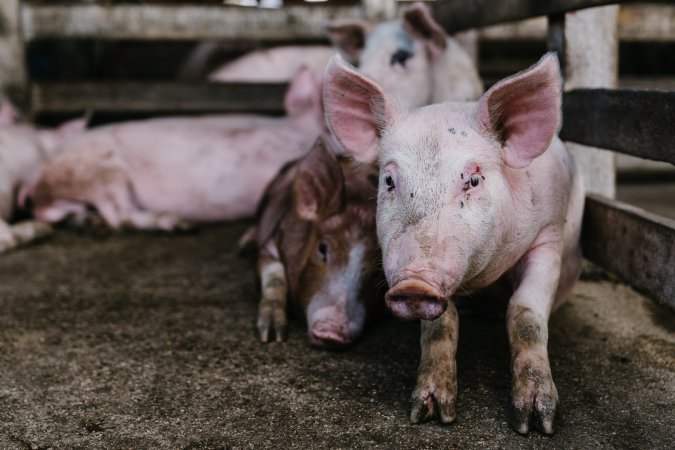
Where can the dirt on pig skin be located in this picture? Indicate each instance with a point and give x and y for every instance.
(137, 340)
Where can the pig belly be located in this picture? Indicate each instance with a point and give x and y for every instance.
(205, 179)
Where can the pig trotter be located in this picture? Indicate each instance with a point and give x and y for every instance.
(534, 396)
(7, 238)
(436, 390)
(272, 309)
(272, 318)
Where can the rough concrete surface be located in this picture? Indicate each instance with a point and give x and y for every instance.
(147, 341)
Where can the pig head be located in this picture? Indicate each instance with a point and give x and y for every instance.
(471, 194)
(316, 235)
(413, 58)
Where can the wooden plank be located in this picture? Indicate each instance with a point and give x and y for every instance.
(637, 23)
(128, 21)
(636, 245)
(458, 15)
(133, 97)
(635, 122)
(13, 77)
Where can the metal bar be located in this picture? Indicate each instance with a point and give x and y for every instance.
(636, 245)
(639, 123)
(13, 76)
(458, 15)
(176, 23)
(133, 97)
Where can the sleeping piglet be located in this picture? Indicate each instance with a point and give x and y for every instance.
(317, 247)
(23, 150)
(478, 199)
(157, 173)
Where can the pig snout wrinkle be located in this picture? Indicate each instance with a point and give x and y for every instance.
(415, 299)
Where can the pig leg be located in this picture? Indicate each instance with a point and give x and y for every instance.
(7, 238)
(533, 394)
(116, 205)
(436, 391)
(272, 308)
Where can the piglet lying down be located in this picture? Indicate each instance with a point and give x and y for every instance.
(317, 248)
(154, 174)
(23, 150)
(478, 199)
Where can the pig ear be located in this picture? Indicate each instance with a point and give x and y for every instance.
(357, 109)
(349, 36)
(318, 188)
(73, 127)
(8, 114)
(523, 112)
(417, 21)
(303, 93)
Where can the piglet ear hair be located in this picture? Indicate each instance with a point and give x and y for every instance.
(8, 114)
(523, 111)
(417, 21)
(357, 110)
(303, 93)
(349, 37)
(318, 188)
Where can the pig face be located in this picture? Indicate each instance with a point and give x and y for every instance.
(328, 246)
(398, 54)
(446, 175)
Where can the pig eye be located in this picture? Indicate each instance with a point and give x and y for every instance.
(389, 181)
(323, 251)
(400, 57)
(475, 179)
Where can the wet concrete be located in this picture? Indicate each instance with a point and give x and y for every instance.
(148, 341)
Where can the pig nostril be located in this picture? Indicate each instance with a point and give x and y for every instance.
(415, 299)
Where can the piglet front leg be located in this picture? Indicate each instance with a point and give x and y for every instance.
(436, 391)
(7, 238)
(272, 308)
(534, 397)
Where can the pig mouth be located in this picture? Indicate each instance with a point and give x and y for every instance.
(415, 299)
(325, 336)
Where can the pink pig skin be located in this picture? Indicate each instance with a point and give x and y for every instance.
(23, 150)
(274, 65)
(155, 173)
(474, 198)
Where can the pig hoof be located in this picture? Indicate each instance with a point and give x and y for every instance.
(434, 400)
(272, 319)
(7, 243)
(534, 404)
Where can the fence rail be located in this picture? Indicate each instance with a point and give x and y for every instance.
(634, 244)
(459, 15)
(634, 122)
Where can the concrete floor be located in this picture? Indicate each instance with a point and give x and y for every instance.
(147, 341)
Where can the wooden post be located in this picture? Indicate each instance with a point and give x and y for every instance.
(13, 77)
(379, 10)
(591, 55)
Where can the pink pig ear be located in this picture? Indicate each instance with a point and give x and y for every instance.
(523, 112)
(417, 21)
(303, 93)
(318, 188)
(357, 109)
(349, 36)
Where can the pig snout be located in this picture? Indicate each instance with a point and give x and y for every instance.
(329, 335)
(335, 326)
(412, 299)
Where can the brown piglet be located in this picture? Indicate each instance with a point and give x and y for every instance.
(317, 247)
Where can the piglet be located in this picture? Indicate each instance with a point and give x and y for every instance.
(159, 173)
(317, 246)
(478, 199)
(23, 150)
